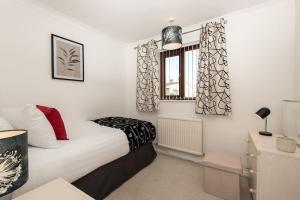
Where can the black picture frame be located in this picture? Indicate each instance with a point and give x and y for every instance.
(54, 57)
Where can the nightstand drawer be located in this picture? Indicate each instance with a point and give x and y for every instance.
(251, 155)
(253, 185)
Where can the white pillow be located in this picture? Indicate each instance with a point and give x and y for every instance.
(30, 118)
(5, 125)
(13, 115)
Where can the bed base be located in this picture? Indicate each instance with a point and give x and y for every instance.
(102, 181)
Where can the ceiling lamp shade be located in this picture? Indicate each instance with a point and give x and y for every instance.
(13, 160)
(171, 37)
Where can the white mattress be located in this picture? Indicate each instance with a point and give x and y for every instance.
(90, 147)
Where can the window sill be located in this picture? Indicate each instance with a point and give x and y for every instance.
(185, 100)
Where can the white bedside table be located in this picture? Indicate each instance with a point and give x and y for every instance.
(273, 174)
(59, 189)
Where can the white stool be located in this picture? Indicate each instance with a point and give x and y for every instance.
(222, 175)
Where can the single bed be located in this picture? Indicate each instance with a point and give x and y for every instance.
(92, 152)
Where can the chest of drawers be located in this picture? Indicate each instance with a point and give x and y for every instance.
(273, 175)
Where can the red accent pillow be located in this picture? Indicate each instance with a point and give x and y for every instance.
(56, 121)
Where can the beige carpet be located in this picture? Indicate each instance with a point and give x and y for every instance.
(167, 178)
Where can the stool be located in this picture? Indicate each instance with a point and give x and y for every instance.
(222, 175)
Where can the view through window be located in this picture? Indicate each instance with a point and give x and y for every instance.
(179, 73)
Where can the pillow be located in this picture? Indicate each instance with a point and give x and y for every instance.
(13, 115)
(40, 131)
(56, 121)
(5, 125)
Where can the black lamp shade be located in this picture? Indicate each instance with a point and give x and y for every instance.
(263, 113)
(171, 37)
(13, 160)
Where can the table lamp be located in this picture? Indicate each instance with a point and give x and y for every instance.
(13, 161)
(263, 114)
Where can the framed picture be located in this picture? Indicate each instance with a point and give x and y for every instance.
(67, 59)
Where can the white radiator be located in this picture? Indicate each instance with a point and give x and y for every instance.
(182, 134)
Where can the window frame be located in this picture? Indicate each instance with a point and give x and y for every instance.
(170, 53)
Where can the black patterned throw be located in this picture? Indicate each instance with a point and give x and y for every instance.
(138, 132)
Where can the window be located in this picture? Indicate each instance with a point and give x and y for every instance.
(179, 73)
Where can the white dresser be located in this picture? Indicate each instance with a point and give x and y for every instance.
(274, 175)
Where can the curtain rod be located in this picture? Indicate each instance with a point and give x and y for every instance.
(187, 32)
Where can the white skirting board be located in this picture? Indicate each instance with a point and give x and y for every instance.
(178, 154)
(186, 156)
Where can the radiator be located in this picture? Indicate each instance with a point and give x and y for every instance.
(181, 134)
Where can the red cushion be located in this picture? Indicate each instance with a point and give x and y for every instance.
(56, 121)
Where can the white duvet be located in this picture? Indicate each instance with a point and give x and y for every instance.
(90, 146)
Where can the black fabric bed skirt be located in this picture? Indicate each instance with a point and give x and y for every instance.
(102, 181)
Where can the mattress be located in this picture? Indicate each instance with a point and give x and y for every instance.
(90, 146)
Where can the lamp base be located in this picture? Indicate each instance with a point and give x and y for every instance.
(265, 133)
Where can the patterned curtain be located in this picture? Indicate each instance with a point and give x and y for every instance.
(147, 87)
(213, 90)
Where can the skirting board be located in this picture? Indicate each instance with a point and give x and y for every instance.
(186, 156)
(178, 154)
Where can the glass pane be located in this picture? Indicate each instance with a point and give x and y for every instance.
(172, 75)
(190, 72)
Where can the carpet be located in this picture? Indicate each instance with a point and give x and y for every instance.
(169, 178)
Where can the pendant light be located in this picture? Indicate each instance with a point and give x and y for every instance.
(171, 37)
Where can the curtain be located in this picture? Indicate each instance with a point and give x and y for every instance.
(147, 87)
(213, 90)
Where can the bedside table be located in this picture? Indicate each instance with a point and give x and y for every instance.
(59, 189)
(273, 174)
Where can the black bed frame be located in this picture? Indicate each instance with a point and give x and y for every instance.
(102, 181)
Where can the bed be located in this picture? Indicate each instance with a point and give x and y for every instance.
(97, 159)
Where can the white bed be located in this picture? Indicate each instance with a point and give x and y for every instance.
(90, 146)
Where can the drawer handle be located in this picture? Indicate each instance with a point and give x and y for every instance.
(251, 171)
(251, 155)
(251, 190)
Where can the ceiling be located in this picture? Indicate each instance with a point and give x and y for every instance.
(132, 20)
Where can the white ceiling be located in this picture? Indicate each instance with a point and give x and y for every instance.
(132, 20)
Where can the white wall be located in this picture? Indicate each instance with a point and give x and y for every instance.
(260, 44)
(297, 73)
(261, 64)
(25, 63)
